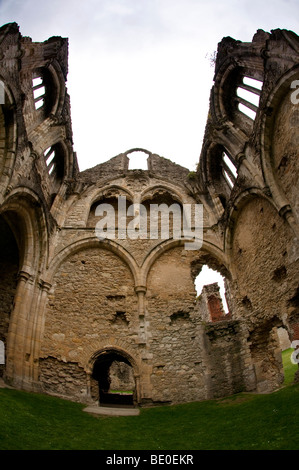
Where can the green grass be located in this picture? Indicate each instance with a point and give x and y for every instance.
(241, 422)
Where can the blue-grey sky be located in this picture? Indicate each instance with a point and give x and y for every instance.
(139, 70)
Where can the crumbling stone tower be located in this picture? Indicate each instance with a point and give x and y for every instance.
(75, 309)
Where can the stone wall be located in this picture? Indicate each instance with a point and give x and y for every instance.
(230, 369)
(122, 378)
(92, 298)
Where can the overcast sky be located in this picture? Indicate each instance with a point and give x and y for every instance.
(139, 70)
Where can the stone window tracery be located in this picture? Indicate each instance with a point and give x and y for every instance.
(229, 169)
(44, 89)
(39, 91)
(54, 159)
(248, 96)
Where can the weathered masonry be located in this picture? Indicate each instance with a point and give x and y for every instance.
(80, 316)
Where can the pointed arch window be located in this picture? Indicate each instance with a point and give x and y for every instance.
(39, 91)
(44, 89)
(248, 96)
(54, 159)
(229, 169)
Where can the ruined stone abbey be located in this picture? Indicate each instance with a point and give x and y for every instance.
(80, 315)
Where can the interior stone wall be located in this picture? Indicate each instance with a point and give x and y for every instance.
(285, 148)
(263, 249)
(92, 301)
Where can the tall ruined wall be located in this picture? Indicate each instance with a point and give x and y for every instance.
(73, 304)
(250, 166)
(259, 235)
(36, 165)
(174, 329)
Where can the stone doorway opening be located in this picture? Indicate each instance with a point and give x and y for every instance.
(112, 380)
(9, 268)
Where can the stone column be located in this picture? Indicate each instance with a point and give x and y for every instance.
(141, 291)
(34, 334)
(17, 329)
(294, 337)
(143, 381)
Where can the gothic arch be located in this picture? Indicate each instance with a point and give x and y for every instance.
(152, 190)
(260, 247)
(212, 171)
(24, 213)
(110, 191)
(281, 92)
(120, 354)
(163, 247)
(9, 272)
(239, 203)
(121, 351)
(59, 83)
(93, 242)
(238, 62)
(108, 196)
(53, 85)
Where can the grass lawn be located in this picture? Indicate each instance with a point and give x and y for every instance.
(243, 421)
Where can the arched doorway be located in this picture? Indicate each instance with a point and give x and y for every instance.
(9, 268)
(113, 380)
